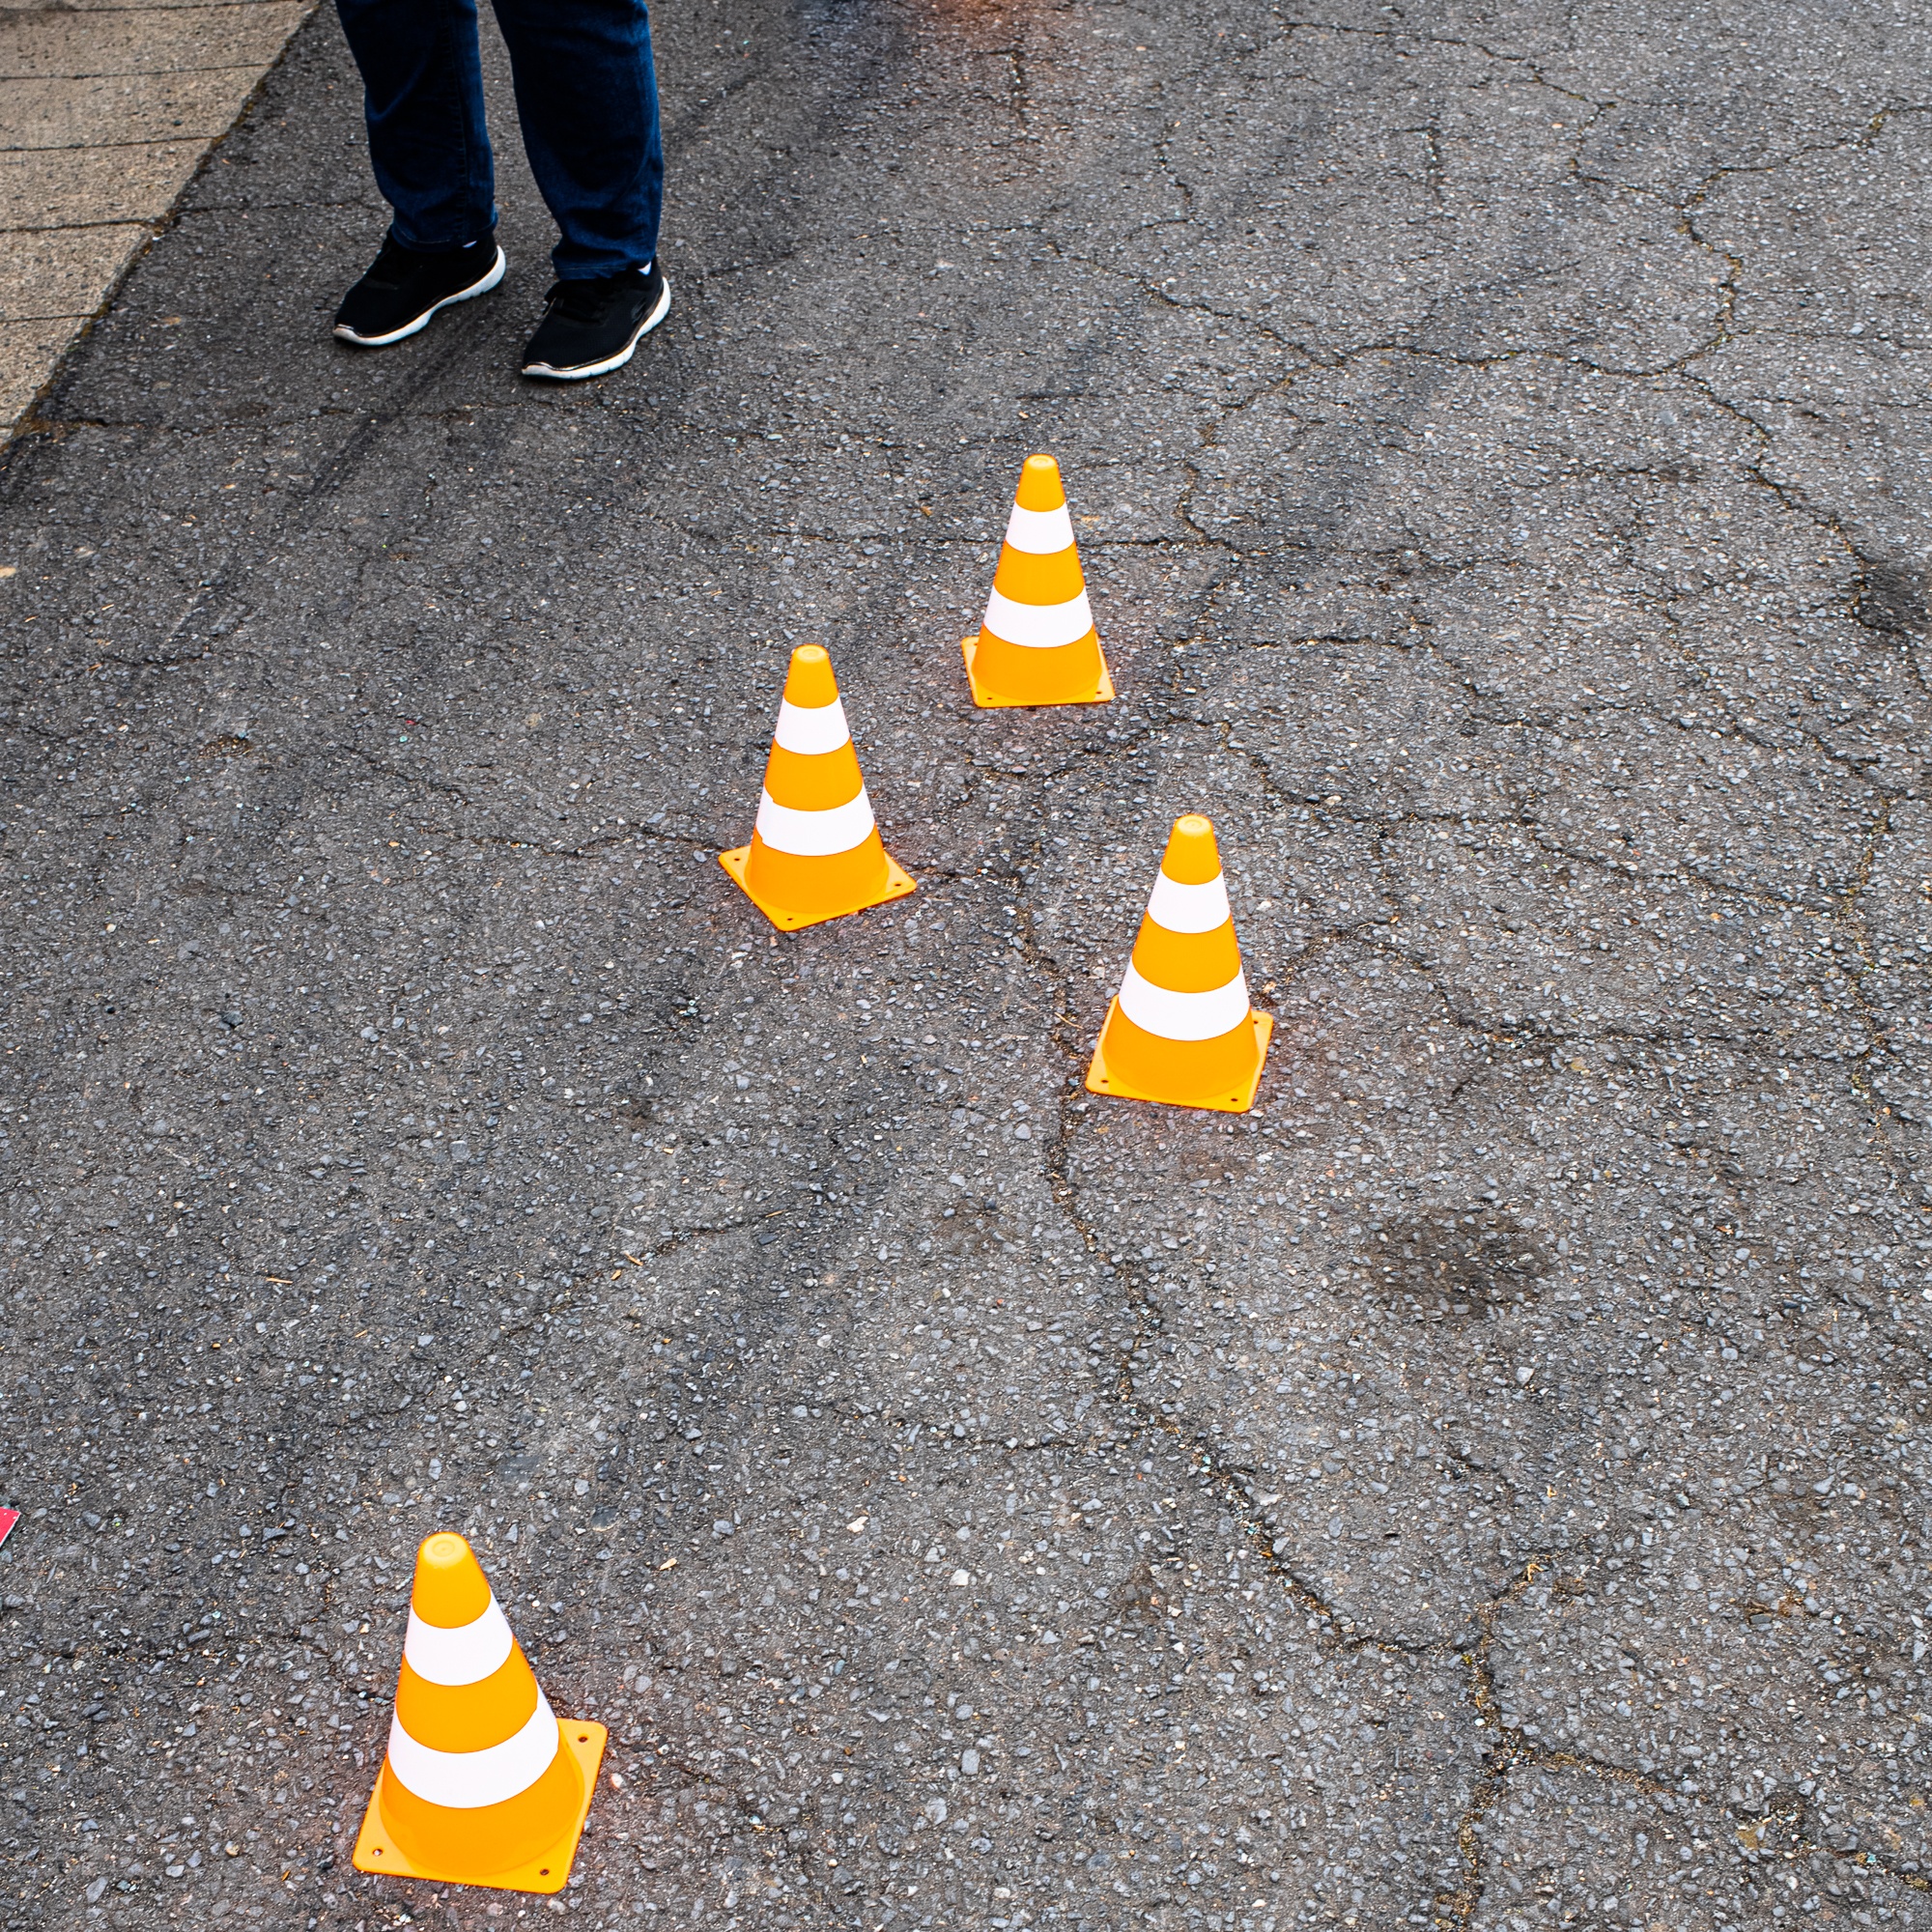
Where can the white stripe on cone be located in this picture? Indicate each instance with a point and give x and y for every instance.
(464, 1656)
(468, 1780)
(812, 729)
(1189, 908)
(1184, 1016)
(1040, 627)
(814, 835)
(1040, 532)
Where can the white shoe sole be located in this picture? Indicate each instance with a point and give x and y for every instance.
(408, 328)
(546, 373)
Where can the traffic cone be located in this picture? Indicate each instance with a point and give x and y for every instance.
(1038, 644)
(1180, 1030)
(482, 1785)
(814, 853)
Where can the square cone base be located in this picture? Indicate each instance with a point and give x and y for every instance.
(1099, 1080)
(898, 883)
(548, 1871)
(968, 650)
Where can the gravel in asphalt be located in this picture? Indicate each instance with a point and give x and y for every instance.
(1482, 1487)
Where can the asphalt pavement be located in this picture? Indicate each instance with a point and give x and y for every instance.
(1485, 1486)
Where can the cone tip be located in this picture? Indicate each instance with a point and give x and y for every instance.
(809, 682)
(1040, 487)
(1192, 857)
(450, 1589)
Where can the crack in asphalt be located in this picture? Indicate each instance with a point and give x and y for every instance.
(1507, 1750)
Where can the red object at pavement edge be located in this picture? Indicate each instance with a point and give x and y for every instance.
(8, 1519)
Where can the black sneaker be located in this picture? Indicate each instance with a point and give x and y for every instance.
(591, 327)
(406, 286)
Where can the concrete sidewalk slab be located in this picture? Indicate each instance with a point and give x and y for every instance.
(28, 350)
(49, 45)
(69, 187)
(112, 110)
(104, 115)
(46, 275)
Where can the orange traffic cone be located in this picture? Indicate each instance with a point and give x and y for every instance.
(814, 853)
(1038, 644)
(1180, 1030)
(481, 1785)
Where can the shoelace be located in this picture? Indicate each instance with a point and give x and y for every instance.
(582, 300)
(389, 268)
(394, 264)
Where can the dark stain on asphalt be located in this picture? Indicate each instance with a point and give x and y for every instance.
(1892, 599)
(1458, 1265)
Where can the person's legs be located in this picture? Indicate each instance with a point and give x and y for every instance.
(422, 82)
(587, 97)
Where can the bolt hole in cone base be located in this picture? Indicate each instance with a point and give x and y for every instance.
(898, 883)
(1235, 1096)
(548, 1870)
(991, 700)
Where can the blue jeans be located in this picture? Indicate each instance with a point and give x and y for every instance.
(586, 95)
